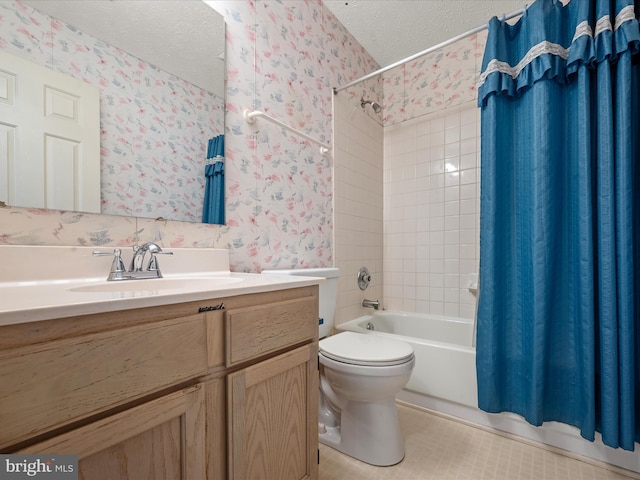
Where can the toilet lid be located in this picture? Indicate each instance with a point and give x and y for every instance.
(364, 349)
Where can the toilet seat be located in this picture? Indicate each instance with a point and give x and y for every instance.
(365, 350)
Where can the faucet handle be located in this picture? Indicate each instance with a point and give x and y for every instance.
(117, 267)
(154, 248)
(153, 261)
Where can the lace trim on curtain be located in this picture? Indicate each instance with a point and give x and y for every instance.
(546, 47)
(602, 25)
(583, 29)
(626, 14)
(534, 52)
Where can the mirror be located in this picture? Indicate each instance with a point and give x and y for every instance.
(159, 66)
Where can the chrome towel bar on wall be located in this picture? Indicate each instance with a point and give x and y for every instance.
(250, 117)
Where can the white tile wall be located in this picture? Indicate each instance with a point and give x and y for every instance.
(431, 212)
(358, 202)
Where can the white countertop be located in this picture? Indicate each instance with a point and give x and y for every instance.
(36, 283)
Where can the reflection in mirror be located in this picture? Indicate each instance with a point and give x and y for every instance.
(159, 68)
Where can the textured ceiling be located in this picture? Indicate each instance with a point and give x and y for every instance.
(392, 30)
(158, 30)
(182, 37)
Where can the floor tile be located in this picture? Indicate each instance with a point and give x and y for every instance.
(442, 449)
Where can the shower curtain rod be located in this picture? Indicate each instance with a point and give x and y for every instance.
(428, 50)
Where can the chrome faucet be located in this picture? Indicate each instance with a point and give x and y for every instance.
(139, 254)
(375, 304)
(135, 272)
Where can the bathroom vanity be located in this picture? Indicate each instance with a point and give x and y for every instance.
(215, 384)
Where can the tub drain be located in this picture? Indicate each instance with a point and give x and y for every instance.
(369, 326)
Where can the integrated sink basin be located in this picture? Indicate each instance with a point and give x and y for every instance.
(156, 284)
(39, 283)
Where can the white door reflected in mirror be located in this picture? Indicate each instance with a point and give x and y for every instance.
(49, 138)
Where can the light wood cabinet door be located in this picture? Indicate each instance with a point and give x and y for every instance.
(273, 418)
(163, 439)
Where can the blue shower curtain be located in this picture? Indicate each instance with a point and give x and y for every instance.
(213, 209)
(558, 325)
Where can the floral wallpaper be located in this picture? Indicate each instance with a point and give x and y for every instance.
(434, 82)
(153, 125)
(282, 57)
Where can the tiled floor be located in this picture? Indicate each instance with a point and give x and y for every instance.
(443, 449)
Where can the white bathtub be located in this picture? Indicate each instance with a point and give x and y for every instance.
(444, 380)
(445, 358)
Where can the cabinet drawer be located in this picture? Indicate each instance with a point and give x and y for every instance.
(50, 385)
(259, 330)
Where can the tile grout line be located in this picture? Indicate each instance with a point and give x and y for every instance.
(526, 441)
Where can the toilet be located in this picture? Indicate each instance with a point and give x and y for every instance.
(359, 377)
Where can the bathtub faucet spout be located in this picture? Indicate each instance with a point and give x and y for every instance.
(375, 304)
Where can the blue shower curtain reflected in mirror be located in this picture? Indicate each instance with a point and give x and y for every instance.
(213, 209)
(558, 320)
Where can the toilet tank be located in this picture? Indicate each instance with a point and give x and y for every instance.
(328, 293)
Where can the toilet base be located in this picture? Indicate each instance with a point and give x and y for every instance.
(368, 431)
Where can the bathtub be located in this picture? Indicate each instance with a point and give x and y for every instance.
(444, 381)
(445, 358)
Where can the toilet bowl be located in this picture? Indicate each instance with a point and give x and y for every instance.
(359, 377)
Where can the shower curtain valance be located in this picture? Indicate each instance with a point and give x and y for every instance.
(553, 46)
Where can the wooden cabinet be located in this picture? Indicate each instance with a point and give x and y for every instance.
(56, 383)
(273, 424)
(272, 405)
(259, 330)
(170, 392)
(163, 439)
